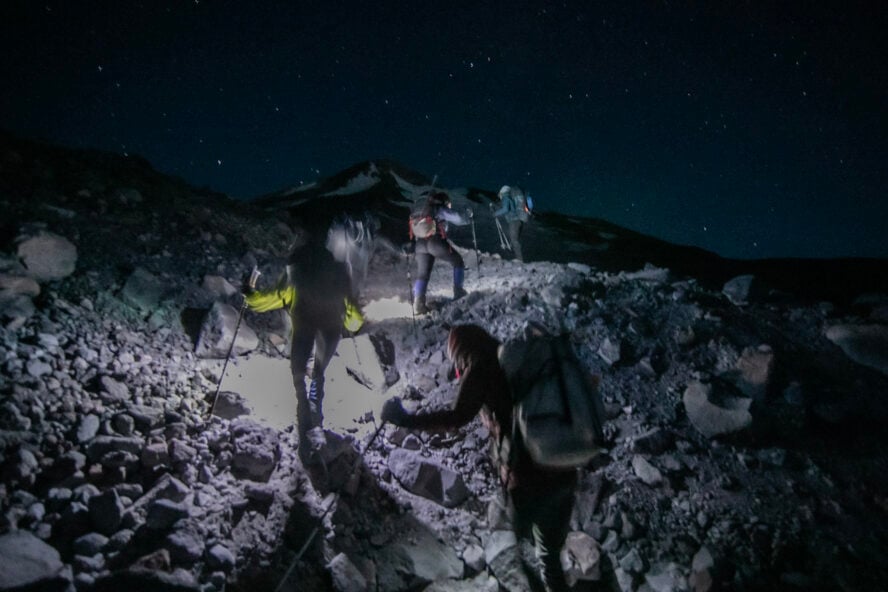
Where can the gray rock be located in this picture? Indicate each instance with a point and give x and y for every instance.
(230, 405)
(632, 562)
(581, 558)
(101, 445)
(220, 557)
(754, 369)
(715, 415)
(422, 558)
(163, 513)
(142, 290)
(146, 417)
(217, 332)
(89, 544)
(38, 368)
(646, 471)
(425, 478)
(865, 344)
(609, 351)
(185, 547)
(742, 289)
(473, 557)
(113, 391)
(256, 451)
(155, 454)
(666, 577)
(106, 511)
(48, 256)
(123, 424)
(16, 310)
(498, 542)
(27, 561)
(88, 428)
(346, 577)
(218, 287)
(12, 286)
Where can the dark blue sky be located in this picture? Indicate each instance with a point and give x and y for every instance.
(749, 129)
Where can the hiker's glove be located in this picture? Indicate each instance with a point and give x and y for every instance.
(408, 248)
(393, 411)
(469, 213)
(490, 206)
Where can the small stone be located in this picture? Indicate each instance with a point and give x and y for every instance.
(88, 428)
(220, 557)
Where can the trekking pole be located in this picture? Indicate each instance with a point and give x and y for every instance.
(332, 503)
(475, 242)
(410, 292)
(504, 240)
(254, 276)
(354, 338)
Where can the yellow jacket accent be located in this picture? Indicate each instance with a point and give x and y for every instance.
(272, 299)
(287, 297)
(354, 320)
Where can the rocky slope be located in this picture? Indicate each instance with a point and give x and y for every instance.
(746, 428)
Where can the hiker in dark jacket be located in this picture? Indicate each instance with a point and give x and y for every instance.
(509, 212)
(540, 501)
(437, 246)
(317, 293)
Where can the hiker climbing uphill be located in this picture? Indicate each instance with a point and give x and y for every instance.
(428, 227)
(515, 208)
(536, 460)
(316, 291)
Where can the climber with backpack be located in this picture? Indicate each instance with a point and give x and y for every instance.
(316, 291)
(428, 228)
(544, 417)
(516, 208)
(354, 240)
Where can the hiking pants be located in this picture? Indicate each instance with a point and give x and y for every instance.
(542, 513)
(319, 334)
(515, 228)
(429, 249)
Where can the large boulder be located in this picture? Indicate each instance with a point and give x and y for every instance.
(48, 257)
(428, 479)
(218, 330)
(256, 450)
(417, 558)
(865, 344)
(143, 290)
(714, 412)
(29, 562)
(743, 289)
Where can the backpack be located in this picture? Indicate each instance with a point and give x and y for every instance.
(350, 240)
(523, 204)
(557, 410)
(422, 224)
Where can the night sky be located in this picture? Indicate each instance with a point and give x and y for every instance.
(751, 129)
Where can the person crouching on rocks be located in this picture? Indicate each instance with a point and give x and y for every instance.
(540, 501)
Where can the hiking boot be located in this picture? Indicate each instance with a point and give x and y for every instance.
(458, 292)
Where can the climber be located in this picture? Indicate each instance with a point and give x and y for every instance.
(428, 227)
(540, 501)
(317, 292)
